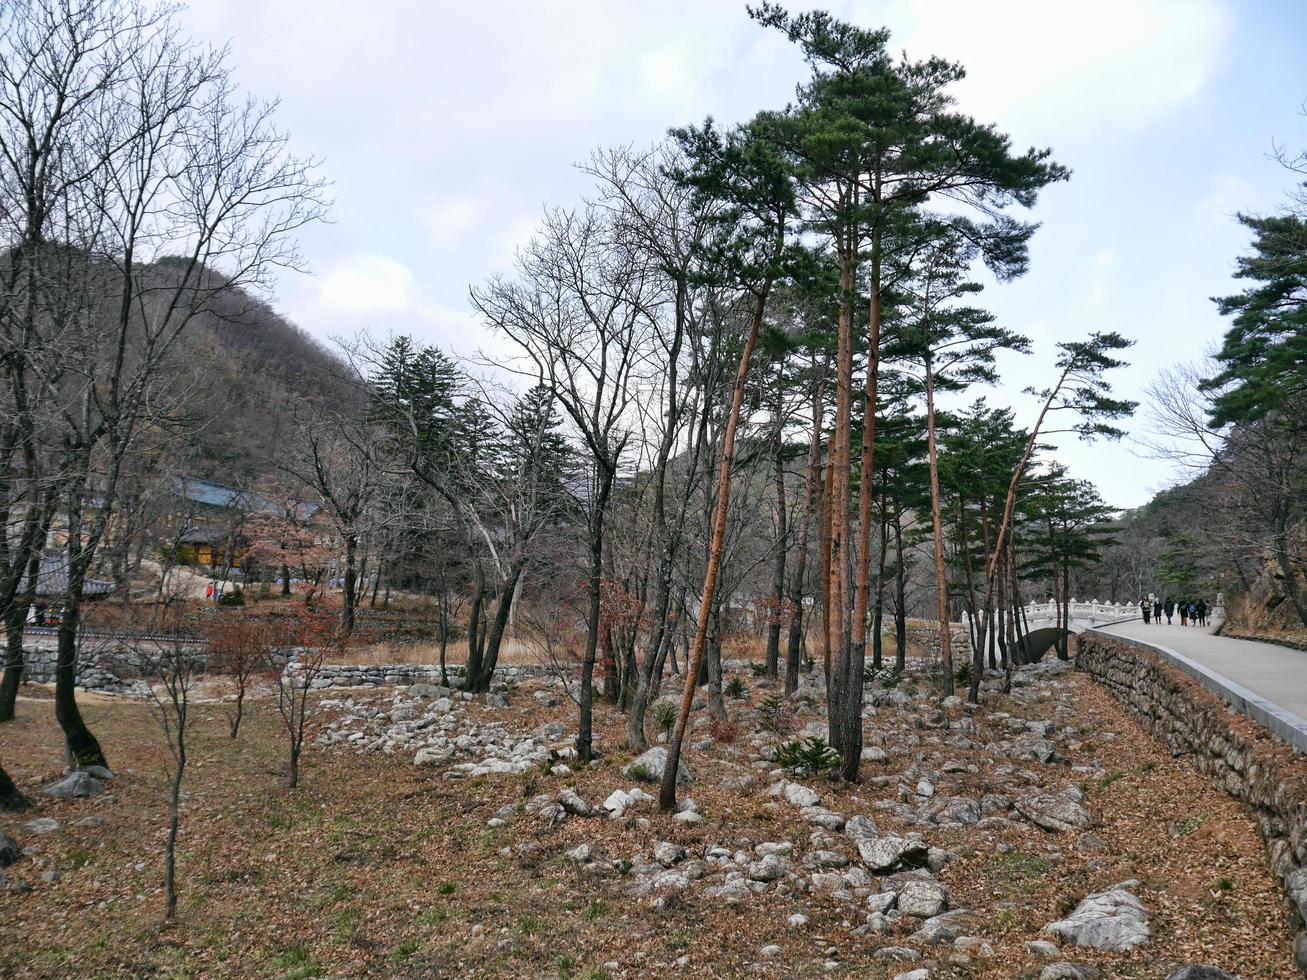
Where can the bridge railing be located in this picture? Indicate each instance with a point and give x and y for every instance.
(1097, 612)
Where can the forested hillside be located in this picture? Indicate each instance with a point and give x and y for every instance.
(253, 372)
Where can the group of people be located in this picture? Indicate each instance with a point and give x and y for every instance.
(1192, 612)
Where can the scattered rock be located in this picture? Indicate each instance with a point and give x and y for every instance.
(581, 854)
(797, 921)
(886, 853)
(896, 953)
(1113, 920)
(919, 974)
(667, 854)
(77, 784)
(42, 825)
(923, 898)
(1197, 971)
(1041, 947)
(946, 927)
(770, 952)
(649, 766)
(801, 795)
(430, 755)
(1068, 971)
(572, 802)
(1053, 812)
(9, 852)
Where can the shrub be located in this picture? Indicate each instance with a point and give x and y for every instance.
(232, 597)
(723, 730)
(664, 714)
(735, 689)
(777, 716)
(811, 756)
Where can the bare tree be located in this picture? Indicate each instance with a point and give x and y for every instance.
(171, 670)
(163, 189)
(579, 313)
(311, 638)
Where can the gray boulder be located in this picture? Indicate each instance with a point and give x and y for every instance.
(923, 898)
(667, 853)
(429, 691)
(572, 802)
(77, 784)
(947, 926)
(1112, 920)
(1068, 971)
(1057, 813)
(886, 853)
(650, 765)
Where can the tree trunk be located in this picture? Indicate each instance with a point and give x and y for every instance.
(11, 798)
(83, 748)
(937, 526)
(900, 596)
(242, 683)
(13, 673)
(772, 662)
(474, 645)
(174, 818)
(351, 582)
(585, 737)
(667, 792)
(480, 683)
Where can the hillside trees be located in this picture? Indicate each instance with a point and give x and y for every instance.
(948, 346)
(503, 471)
(743, 170)
(578, 312)
(877, 139)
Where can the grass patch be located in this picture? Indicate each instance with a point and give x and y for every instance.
(404, 950)
(597, 910)
(296, 964)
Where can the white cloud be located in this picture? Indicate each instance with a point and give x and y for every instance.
(451, 221)
(367, 284)
(1229, 195)
(1046, 68)
(1100, 276)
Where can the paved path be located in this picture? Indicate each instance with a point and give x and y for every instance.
(1277, 674)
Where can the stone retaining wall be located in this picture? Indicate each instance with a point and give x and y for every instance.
(94, 673)
(924, 634)
(385, 675)
(1246, 760)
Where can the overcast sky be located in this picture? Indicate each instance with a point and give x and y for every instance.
(447, 126)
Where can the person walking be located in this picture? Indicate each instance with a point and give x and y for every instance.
(1157, 610)
(1184, 612)
(1168, 607)
(1146, 609)
(1193, 613)
(1202, 612)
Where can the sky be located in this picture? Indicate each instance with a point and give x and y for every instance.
(446, 127)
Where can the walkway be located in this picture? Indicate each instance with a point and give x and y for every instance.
(1271, 673)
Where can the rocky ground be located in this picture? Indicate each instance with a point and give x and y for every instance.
(1039, 835)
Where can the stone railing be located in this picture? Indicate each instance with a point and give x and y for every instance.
(1244, 758)
(1095, 612)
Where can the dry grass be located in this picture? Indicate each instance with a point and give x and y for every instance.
(374, 867)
